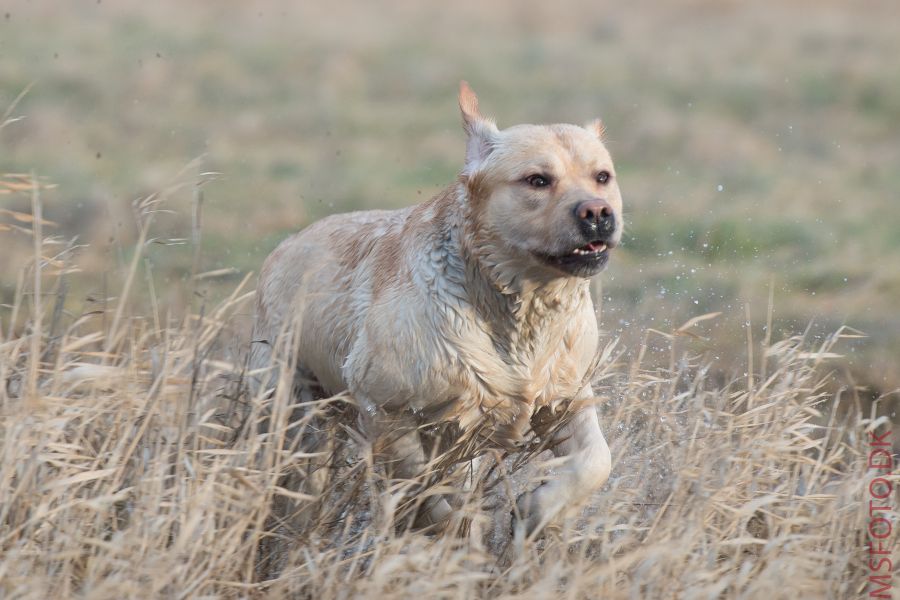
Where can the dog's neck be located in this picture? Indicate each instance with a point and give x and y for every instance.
(520, 299)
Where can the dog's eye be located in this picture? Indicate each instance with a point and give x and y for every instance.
(537, 181)
(603, 177)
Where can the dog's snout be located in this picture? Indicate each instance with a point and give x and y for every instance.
(593, 210)
(595, 216)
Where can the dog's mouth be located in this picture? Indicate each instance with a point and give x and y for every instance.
(590, 248)
(583, 261)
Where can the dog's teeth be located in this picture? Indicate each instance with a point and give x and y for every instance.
(591, 249)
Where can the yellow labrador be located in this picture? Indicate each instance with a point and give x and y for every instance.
(471, 308)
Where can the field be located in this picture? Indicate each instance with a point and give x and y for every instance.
(152, 154)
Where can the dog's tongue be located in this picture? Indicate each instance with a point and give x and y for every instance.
(591, 248)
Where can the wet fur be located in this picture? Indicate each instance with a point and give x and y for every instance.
(442, 312)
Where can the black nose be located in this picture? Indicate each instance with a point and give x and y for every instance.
(595, 217)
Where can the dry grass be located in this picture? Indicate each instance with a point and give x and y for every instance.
(756, 147)
(133, 466)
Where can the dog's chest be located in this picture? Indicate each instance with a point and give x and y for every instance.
(501, 387)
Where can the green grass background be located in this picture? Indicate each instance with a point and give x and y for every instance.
(757, 144)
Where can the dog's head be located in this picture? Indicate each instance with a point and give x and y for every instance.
(546, 194)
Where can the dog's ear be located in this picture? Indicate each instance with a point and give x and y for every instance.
(481, 131)
(596, 126)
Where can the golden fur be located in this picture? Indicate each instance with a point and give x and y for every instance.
(456, 309)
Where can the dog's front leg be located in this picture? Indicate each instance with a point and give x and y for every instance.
(586, 468)
(398, 446)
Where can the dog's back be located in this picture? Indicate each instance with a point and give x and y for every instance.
(314, 288)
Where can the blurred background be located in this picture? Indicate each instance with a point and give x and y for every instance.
(757, 144)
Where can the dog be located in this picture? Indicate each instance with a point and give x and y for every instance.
(472, 308)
